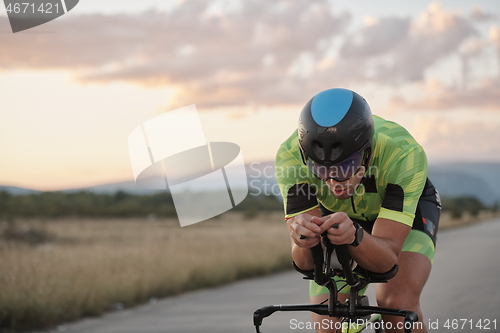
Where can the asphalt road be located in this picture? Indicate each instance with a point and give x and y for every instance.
(463, 290)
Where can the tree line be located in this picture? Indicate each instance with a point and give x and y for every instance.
(457, 206)
(122, 204)
(119, 204)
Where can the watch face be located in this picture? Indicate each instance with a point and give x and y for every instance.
(359, 235)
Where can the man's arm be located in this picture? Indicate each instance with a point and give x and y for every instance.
(379, 251)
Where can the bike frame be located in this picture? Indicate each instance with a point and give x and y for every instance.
(322, 275)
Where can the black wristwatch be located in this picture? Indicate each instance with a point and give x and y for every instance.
(359, 234)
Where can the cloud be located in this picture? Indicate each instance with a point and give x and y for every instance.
(395, 51)
(378, 37)
(494, 35)
(478, 14)
(257, 52)
(229, 58)
(474, 91)
(485, 95)
(445, 139)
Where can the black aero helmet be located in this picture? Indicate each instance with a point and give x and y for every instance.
(335, 133)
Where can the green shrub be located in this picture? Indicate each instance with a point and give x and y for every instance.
(457, 206)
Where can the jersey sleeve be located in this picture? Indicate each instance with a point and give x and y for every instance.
(299, 195)
(405, 177)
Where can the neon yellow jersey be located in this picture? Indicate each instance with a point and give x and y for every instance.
(390, 189)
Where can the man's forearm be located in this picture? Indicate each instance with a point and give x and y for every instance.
(374, 254)
(302, 257)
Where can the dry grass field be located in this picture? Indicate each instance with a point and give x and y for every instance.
(61, 270)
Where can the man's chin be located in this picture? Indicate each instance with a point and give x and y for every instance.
(341, 195)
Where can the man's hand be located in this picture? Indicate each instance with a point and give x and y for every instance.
(343, 233)
(304, 232)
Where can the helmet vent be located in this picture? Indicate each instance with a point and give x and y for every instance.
(336, 151)
(318, 150)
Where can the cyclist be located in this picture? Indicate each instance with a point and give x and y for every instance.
(368, 177)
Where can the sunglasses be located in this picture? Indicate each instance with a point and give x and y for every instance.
(339, 172)
(342, 171)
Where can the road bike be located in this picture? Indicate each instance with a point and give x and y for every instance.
(355, 312)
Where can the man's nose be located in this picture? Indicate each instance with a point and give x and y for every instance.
(332, 182)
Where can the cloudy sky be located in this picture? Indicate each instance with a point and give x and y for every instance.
(73, 89)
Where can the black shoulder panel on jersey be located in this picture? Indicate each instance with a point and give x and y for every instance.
(369, 184)
(394, 197)
(324, 211)
(300, 197)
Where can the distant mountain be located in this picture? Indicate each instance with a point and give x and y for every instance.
(480, 180)
(128, 186)
(17, 190)
(260, 178)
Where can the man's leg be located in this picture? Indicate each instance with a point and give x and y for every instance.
(403, 291)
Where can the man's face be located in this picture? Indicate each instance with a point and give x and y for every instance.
(345, 190)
